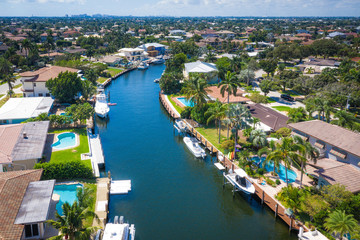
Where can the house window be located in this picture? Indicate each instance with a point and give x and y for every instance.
(48, 94)
(34, 84)
(31, 230)
(40, 94)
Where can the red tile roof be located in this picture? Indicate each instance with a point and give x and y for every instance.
(214, 91)
(12, 190)
(44, 74)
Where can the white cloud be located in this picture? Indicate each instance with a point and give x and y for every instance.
(48, 1)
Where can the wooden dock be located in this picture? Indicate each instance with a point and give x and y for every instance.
(272, 203)
(102, 201)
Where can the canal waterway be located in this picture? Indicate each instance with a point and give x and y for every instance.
(174, 196)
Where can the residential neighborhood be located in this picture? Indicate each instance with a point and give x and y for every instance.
(166, 125)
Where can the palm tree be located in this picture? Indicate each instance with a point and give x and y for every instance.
(286, 152)
(238, 117)
(9, 79)
(71, 223)
(5, 67)
(340, 223)
(210, 57)
(195, 90)
(345, 119)
(217, 111)
(296, 115)
(256, 121)
(258, 138)
(308, 151)
(26, 45)
(88, 89)
(236, 64)
(230, 85)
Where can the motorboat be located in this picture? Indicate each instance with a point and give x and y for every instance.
(180, 125)
(158, 61)
(101, 106)
(194, 147)
(239, 178)
(157, 80)
(118, 230)
(143, 66)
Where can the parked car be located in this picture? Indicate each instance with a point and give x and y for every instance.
(287, 97)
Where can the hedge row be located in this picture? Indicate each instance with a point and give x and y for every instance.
(65, 170)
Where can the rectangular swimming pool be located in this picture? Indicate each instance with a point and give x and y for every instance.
(186, 102)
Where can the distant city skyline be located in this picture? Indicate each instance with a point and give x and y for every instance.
(275, 8)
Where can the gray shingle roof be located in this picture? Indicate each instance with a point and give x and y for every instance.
(35, 204)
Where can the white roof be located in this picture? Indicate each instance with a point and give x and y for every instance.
(200, 67)
(131, 50)
(146, 45)
(24, 108)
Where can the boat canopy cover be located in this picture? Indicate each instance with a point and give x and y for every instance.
(240, 172)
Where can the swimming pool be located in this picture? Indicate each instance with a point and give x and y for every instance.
(65, 140)
(281, 171)
(67, 193)
(186, 102)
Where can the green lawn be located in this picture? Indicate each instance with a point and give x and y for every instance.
(114, 71)
(282, 108)
(212, 135)
(270, 100)
(74, 153)
(93, 187)
(178, 108)
(101, 79)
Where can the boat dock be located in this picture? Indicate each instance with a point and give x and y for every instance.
(102, 201)
(260, 191)
(96, 152)
(120, 186)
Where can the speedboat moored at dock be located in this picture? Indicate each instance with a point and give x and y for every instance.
(194, 147)
(119, 230)
(238, 178)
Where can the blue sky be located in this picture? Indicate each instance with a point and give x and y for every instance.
(181, 7)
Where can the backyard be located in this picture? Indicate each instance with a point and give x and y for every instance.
(73, 153)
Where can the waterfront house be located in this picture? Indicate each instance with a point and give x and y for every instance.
(208, 70)
(270, 120)
(17, 110)
(215, 93)
(26, 204)
(132, 54)
(339, 153)
(22, 145)
(34, 82)
(153, 49)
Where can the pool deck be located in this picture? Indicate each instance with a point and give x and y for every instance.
(102, 201)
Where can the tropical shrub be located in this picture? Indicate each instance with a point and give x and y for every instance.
(198, 113)
(257, 98)
(277, 182)
(65, 170)
(186, 113)
(260, 171)
(228, 145)
(285, 132)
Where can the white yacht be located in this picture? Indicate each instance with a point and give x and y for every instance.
(118, 230)
(238, 177)
(143, 66)
(194, 147)
(101, 106)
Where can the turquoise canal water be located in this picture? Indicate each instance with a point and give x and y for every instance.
(67, 193)
(174, 196)
(65, 140)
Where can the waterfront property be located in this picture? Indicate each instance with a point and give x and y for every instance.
(26, 203)
(214, 93)
(22, 145)
(270, 120)
(132, 54)
(17, 110)
(153, 49)
(339, 153)
(209, 70)
(34, 83)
